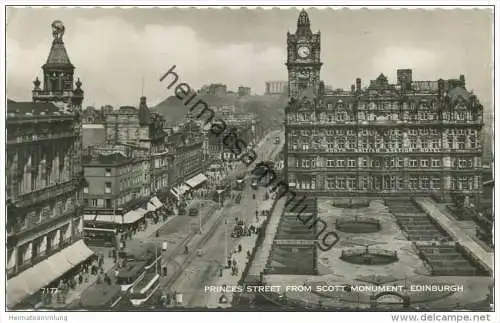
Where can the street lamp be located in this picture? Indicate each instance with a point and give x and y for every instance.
(225, 242)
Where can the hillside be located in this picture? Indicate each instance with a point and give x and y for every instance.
(269, 109)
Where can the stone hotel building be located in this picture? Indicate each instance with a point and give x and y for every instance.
(383, 139)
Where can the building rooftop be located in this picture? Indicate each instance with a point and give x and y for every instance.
(32, 109)
(110, 159)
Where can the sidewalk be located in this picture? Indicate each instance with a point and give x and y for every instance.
(108, 267)
(247, 244)
(74, 294)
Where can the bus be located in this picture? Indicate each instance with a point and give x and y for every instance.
(131, 274)
(99, 236)
(142, 291)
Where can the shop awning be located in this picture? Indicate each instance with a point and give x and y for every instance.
(79, 252)
(134, 216)
(106, 218)
(156, 201)
(33, 279)
(174, 192)
(154, 204)
(197, 180)
(151, 207)
(184, 189)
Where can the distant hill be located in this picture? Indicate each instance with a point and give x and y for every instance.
(269, 109)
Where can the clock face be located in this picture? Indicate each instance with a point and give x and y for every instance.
(303, 51)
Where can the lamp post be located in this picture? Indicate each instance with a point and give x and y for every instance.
(225, 242)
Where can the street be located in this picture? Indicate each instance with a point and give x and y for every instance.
(188, 273)
(203, 270)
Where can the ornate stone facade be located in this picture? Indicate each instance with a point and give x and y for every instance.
(408, 138)
(44, 170)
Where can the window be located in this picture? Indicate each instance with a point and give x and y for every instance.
(352, 144)
(472, 142)
(364, 183)
(340, 163)
(330, 182)
(461, 144)
(424, 163)
(330, 163)
(425, 182)
(85, 202)
(107, 172)
(94, 203)
(109, 204)
(365, 162)
(413, 144)
(412, 163)
(436, 163)
(351, 183)
(107, 187)
(86, 189)
(435, 143)
(341, 183)
(435, 183)
(351, 163)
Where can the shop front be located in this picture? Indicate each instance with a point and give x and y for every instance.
(30, 285)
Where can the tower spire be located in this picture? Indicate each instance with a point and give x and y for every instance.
(142, 86)
(303, 24)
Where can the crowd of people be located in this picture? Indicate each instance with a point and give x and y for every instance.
(58, 293)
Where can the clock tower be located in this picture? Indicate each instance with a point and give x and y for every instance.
(303, 58)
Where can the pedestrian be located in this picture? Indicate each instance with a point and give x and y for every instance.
(80, 278)
(107, 280)
(164, 270)
(229, 263)
(239, 248)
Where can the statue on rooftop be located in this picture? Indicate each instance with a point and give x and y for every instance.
(58, 29)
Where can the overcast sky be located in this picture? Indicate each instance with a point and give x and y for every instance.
(113, 49)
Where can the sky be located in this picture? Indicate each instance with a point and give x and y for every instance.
(120, 54)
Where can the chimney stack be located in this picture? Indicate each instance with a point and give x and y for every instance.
(462, 80)
(358, 84)
(143, 100)
(353, 88)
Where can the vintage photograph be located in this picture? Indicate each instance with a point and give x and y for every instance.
(249, 159)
